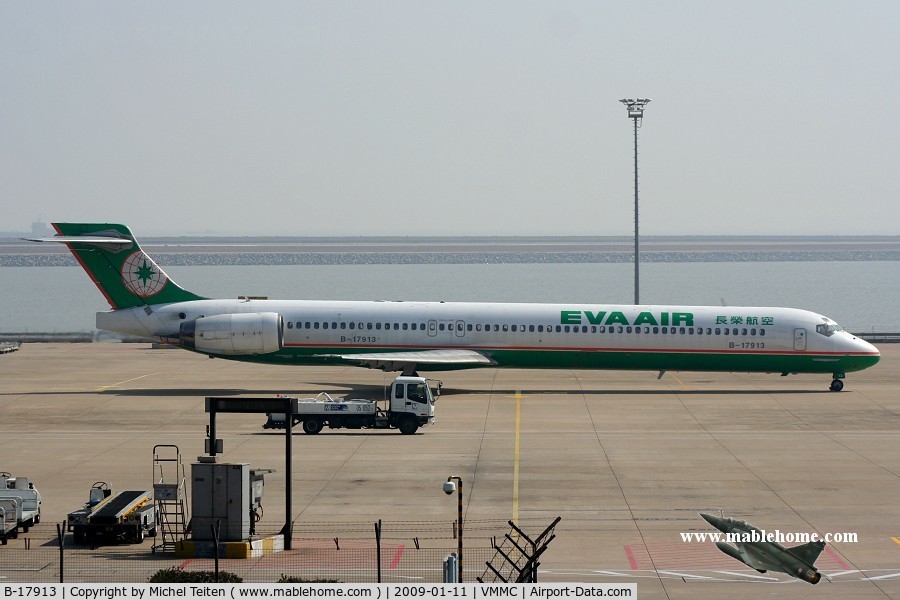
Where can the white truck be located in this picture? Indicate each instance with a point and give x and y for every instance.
(410, 405)
(28, 511)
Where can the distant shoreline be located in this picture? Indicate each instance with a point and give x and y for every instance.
(477, 250)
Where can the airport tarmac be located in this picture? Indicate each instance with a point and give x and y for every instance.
(625, 459)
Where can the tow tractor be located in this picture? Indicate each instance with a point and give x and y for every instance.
(126, 516)
(410, 405)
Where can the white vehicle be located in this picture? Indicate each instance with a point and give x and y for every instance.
(409, 406)
(9, 522)
(443, 336)
(29, 499)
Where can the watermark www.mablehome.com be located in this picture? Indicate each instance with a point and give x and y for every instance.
(777, 536)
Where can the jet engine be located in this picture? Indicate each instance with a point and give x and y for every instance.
(810, 575)
(234, 334)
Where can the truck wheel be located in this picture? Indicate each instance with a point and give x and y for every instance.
(312, 426)
(408, 425)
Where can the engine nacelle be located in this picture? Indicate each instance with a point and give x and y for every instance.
(240, 333)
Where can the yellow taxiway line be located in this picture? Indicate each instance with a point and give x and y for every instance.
(103, 388)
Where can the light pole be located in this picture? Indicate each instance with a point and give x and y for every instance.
(636, 112)
(449, 488)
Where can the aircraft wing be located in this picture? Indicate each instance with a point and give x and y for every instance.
(409, 361)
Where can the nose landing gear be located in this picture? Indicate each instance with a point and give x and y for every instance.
(836, 384)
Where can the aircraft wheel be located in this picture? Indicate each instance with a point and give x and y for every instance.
(408, 425)
(837, 385)
(312, 426)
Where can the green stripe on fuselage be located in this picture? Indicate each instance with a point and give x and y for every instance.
(607, 359)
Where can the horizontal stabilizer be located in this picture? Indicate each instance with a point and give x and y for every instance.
(83, 239)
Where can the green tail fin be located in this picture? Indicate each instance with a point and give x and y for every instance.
(114, 261)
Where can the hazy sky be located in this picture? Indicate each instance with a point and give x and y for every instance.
(457, 118)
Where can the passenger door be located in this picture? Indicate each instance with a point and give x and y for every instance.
(800, 339)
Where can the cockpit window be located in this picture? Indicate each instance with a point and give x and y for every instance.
(828, 328)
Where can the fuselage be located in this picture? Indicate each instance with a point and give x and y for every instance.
(677, 338)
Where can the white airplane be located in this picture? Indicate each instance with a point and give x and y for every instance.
(441, 336)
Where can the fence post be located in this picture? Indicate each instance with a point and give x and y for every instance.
(61, 536)
(378, 547)
(215, 533)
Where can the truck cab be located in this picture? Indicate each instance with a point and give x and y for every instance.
(412, 404)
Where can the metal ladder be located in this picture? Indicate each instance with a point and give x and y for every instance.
(170, 496)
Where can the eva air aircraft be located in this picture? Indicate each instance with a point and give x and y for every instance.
(440, 336)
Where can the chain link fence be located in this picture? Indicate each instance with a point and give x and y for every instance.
(410, 552)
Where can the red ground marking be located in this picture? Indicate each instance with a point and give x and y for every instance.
(837, 558)
(397, 555)
(631, 560)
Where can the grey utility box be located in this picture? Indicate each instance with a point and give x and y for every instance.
(220, 492)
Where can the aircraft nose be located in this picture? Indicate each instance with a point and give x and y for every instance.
(714, 521)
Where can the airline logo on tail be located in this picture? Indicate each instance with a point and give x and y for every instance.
(142, 276)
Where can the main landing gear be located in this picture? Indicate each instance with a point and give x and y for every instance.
(836, 384)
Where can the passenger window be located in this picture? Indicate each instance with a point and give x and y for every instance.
(753, 331)
(441, 327)
(514, 328)
(690, 331)
(308, 325)
(506, 328)
(603, 329)
(378, 326)
(316, 325)
(396, 326)
(478, 327)
(656, 330)
(469, 327)
(744, 331)
(405, 326)
(665, 330)
(368, 326)
(325, 325)
(496, 328)
(718, 331)
(628, 330)
(709, 331)
(290, 324)
(558, 328)
(531, 328)
(593, 329)
(762, 332)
